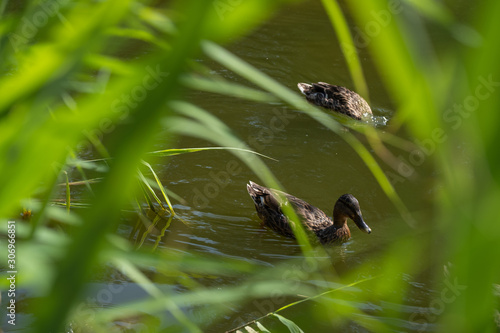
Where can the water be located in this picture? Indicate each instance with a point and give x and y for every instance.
(297, 45)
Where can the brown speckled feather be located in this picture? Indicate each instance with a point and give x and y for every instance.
(336, 98)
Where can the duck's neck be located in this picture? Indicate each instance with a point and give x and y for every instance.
(335, 234)
(338, 232)
(339, 219)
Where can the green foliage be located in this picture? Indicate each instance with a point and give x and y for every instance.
(63, 84)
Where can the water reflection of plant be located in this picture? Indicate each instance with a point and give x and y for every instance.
(48, 110)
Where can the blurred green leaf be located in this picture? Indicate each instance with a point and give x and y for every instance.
(347, 44)
(262, 328)
(288, 323)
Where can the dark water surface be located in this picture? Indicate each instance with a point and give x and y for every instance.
(298, 45)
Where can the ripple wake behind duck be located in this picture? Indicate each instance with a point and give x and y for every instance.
(336, 98)
(268, 204)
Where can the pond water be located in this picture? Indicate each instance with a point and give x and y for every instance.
(313, 163)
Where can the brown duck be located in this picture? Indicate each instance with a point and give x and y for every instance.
(268, 205)
(336, 98)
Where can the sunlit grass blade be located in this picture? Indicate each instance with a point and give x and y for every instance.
(87, 181)
(83, 182)
(148, 230)
(98, 145)
(140, 35)
(179, 151)
(262, 328)
(150, 190)
(227, 88)
(155, 18)
(408, 82)
(288, 323)
(162, 233)
(347, 45)
(146, 193)
(433, 9)
(140, 212)
(117, 66)
(160, 186)
(68, 193)
(351, 55)
(381, 178)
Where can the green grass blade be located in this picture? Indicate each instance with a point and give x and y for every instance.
(381, 178)
(179, 151)
(288, 323)
(347, 45)
(140, 35)
(262, 328)
(82, 172)
(160, 185)
(227, 88)
(150, 190)
(162, 233)
(149, 229)
(68, 193)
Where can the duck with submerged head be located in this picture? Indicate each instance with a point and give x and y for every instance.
(336, 98)
(268, 203)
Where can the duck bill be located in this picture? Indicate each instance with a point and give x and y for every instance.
(361, 224)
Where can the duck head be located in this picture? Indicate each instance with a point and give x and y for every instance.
(347, 206)
(305, 88)
(308, 90)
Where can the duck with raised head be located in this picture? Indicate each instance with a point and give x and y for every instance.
(268, 203)
(336, 98)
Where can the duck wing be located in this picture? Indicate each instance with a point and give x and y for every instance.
(333, 97)
(312, 217)
(336, 98)
(269, 203)
(268, 207)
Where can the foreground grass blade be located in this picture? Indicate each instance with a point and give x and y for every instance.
(68, 193)
(228, 88)
(288, 323)
(150, 190)
(179, 151)
(262, 328)
(347, 45)
(160, 185)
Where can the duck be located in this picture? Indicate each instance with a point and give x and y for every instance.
(336, 98)
(268, 203)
